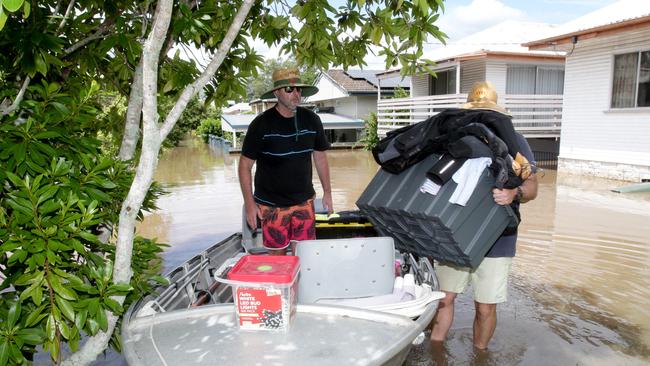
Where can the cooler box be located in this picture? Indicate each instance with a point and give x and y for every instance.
(264, 291)
(429, 225)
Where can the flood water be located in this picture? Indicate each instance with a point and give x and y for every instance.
(579, 286)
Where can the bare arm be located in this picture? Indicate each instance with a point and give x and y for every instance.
(246, 184)
(323, 170)
(528, 190)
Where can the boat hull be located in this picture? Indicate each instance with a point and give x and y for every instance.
(175, 327)
(319, 335)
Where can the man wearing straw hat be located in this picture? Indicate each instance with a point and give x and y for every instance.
(281, 143)
(490, 279)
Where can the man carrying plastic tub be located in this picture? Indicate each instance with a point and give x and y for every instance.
(281, 142)
(490, 279)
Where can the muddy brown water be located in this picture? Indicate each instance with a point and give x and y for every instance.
(580, 285)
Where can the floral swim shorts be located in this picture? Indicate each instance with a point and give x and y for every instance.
(280, 225)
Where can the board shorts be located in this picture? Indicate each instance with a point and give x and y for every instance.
(489, 280)
(281, 225)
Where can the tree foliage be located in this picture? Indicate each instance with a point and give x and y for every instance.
(210, 127)
(59, 192)
(193, 116)
(62, 64)
(400, 93)
(370, 138)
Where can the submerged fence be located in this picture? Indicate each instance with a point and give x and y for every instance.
(546, 159)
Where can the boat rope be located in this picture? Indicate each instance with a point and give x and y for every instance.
(153, 342)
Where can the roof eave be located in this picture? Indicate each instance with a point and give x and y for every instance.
(603, 30)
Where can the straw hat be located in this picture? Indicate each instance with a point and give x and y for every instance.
(289, 77)
(483, 96)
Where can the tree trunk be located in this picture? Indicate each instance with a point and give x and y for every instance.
(152, 138)
(132, 121)
(141, 182)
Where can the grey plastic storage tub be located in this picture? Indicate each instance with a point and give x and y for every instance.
(429, 225)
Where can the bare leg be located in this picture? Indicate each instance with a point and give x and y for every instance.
(277, 251)
(443, 318)
(439, 353)
(485, 322)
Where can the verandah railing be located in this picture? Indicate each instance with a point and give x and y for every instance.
(534, 116)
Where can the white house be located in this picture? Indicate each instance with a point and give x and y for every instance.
(494, 54)
(606, 118)
(353, 93)
(529, 83)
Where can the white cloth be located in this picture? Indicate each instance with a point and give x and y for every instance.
(429, 187)
(404, 289)
(466, 178)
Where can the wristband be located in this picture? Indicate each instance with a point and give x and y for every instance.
(520, 194)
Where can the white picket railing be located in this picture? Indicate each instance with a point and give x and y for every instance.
(532, 115)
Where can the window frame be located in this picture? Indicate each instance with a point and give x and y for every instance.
(451, 71)
(537, 69)
(636, 81)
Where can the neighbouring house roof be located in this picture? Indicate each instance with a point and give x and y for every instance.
(237, 108)
(240, 122)
(365, 81)
(616, 17)
(504, 39)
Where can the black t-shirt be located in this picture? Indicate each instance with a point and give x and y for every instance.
(506, 245)
(282, 148)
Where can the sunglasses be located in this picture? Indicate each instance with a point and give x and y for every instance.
(290, 89)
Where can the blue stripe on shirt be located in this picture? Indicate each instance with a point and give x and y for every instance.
(265, 201)
(303, 132)
(288, 153)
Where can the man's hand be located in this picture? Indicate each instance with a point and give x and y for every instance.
(323, 170)
(504, 196)
(528, 192)
(253, 212)
(246, 184)
(327, 202)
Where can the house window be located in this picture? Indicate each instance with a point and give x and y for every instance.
(631, 86)
(443, 83)
(531, 79)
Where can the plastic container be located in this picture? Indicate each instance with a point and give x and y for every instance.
(429, 225)
(264, 290)
(343, 224)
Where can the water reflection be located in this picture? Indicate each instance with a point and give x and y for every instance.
(580, 279)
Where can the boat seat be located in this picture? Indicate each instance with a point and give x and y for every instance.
(345, 268)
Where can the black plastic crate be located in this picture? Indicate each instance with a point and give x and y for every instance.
(343, 225)
(429, 225)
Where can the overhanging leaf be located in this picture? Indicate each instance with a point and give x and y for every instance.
(101, 318)
(4, 351)
(50, 327)
(32, 336)
(65, 306)
(14, 314)
(27, 9)
(35, 316)
(3, 18)
(12, 5)
(64, 329)
(62, 291)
